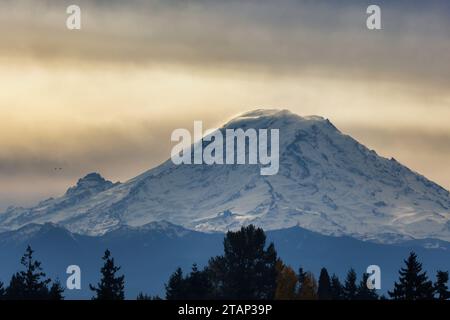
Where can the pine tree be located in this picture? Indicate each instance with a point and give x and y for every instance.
(111, 286)
(363, 292)
(413, 283)
(198, 285)
(246, 270)
(324, 291)
(31, 283)
(300, 278)
(440, 286)
(56, 291)
(337, 292)
(16, 288)
(350, 288)
(286, 282)
(176, 287)
(309, 287)
(301, 274)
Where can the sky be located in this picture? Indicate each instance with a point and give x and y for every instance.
(106, 98)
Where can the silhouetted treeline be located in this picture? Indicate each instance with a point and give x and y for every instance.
(32, 283)
(248, 269)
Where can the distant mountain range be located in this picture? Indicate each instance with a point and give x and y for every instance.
(150, 253)
(327, 183)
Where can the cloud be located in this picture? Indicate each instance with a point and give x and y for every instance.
(107, 97)
(76, 148)
(289, 36)
(46, 163)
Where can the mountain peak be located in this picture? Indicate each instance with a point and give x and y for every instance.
(277, 113)
(277, 119)
(328, 183)
(265, 113)
(91, 183)
(262, 114)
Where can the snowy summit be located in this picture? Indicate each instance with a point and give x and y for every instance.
(327, 182)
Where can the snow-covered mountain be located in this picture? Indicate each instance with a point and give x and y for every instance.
(327, 182)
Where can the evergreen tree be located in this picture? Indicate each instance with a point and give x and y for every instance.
(300, 278)
(286, 282)
(350, 288)
(111, 286)
(324, 291)
(198, 285)
(56, 291)
(217, 271)
(309, 287)
(440, 286)
(16, 288)
(246, 270)
(413, 283)
(337, 291)
(363, 292)
(31, 283)
(176, 287)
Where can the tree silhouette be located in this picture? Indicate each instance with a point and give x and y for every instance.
(111, 286)
(440, 286)
(31, 283)
(56, 291)
(350, 288)
(363, 292)
(300, 278)
(413, 283)
(246, 270)
(175, 288)
(198, 284)
(337, 291)
(16, 288)
(324, 291)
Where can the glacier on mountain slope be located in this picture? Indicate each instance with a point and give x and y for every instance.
(327, 182)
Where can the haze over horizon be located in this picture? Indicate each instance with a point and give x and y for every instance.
(106, 98)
